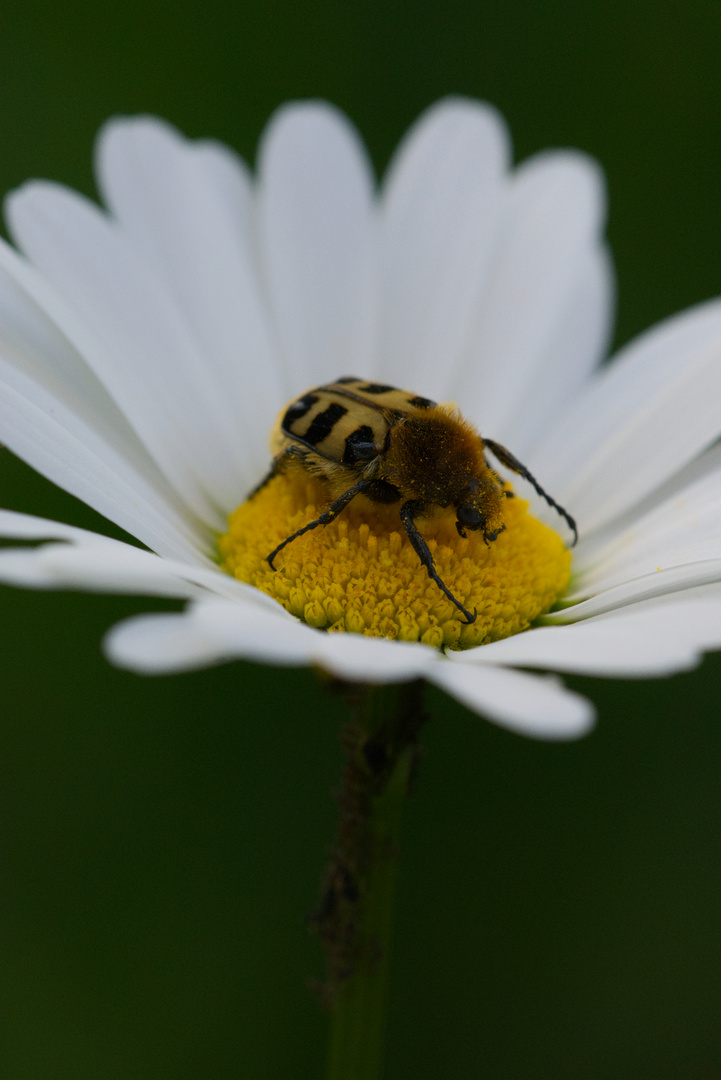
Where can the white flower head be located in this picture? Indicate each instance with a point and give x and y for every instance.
(146, 348)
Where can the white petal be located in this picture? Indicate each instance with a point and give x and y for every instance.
(206, 633)
(82, 560)
(643, 418)
(579, 341)
(676, 531)
(188, 206)
(163, 645)
(592, 649)
(214, 631)
(317, 244)
(39, 429)
(14, 526)
(42, 373)
(699, 479)
(33, 339)
(544, 263)
(63, 566)
(143, 350)
(442, 203)
(660, 583)
(89, 561)
(528, 704)
(642, 641)
(374, 660)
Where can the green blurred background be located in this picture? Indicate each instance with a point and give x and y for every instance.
(161, 841)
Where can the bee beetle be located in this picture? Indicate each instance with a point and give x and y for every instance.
(394, 446)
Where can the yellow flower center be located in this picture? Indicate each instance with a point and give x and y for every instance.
(360, 573)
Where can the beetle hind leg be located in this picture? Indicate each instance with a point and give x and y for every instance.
(408, 515)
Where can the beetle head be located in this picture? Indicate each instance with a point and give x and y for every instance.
(479, 506)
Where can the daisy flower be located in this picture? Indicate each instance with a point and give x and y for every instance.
(147, 347)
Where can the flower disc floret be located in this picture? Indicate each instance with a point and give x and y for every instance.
(361, 574)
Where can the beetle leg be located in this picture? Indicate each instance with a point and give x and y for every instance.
(325, 518)
(408, 514)
(506, 458)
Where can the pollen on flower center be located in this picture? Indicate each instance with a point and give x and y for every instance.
(360, 573)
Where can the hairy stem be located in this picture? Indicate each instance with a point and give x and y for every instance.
(355, 912)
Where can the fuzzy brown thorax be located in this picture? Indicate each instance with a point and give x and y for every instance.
(433, 458)
(437, 459)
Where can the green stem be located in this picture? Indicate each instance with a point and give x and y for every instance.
(355, 915)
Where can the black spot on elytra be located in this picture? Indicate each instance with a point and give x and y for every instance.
(323, 423)
(421, 402)
(298, 410)
(359, 446)
(376, 388)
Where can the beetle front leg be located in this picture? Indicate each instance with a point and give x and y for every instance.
(325, 518)
(409, 511)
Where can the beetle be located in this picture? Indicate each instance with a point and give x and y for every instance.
(394, 446)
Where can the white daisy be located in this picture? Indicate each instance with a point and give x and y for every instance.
(146, 349)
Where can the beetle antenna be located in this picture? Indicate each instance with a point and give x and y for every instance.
(506, 458)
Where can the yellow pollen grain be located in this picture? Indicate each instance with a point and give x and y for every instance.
(360, 574)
